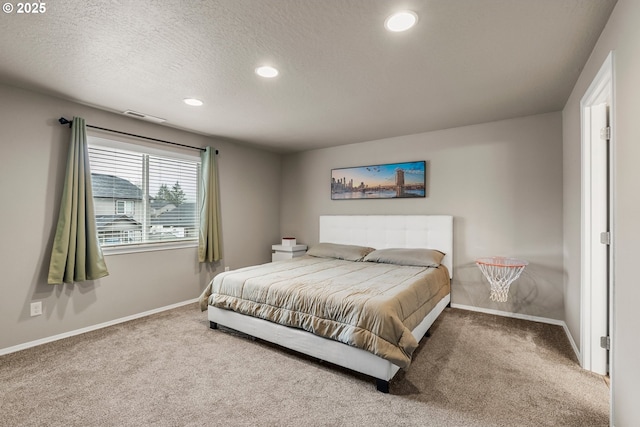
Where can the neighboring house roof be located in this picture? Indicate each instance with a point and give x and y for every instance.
(183, 215)
(111, 222)
(113, 187)
(159, 206)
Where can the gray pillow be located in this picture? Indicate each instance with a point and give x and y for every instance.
(338, 251)
(409, 256)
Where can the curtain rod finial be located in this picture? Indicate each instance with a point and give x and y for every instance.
(64, 121)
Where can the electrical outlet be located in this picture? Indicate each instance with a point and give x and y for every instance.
(36, 308)
(226, 268)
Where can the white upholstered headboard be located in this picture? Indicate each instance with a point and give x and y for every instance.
(391, 231)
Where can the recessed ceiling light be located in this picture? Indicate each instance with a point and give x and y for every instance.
(193, 102)
(401, 21)
(266, 71)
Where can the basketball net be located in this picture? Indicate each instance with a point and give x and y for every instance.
(500, 272)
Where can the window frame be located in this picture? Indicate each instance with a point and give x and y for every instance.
(110, 142)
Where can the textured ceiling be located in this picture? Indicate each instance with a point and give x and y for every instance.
(343, 78)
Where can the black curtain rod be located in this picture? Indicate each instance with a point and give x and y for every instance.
(64, 121)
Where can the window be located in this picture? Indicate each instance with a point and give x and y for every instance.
(124, 207)
(143, 196)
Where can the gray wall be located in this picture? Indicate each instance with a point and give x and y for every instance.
(501, 181)
(33, 151)
(622, 35)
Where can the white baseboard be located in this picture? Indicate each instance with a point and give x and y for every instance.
(525, 317)
(572, 342)
(46, 340)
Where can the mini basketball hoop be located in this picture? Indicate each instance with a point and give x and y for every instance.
(501, 272)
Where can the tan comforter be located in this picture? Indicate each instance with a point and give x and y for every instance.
(368, 305)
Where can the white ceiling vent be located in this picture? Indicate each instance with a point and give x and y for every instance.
(143, 116)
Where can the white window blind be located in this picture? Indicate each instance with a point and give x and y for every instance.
(143, 196)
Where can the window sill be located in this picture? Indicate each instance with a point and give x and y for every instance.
(149, 247)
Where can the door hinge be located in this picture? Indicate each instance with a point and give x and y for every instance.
(605, 342)
(605, 133)
(605, 238)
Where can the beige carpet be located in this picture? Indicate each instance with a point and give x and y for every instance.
(170, 369)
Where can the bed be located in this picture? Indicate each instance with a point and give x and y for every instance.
(279, 302)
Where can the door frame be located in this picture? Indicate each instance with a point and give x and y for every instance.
(600, 91)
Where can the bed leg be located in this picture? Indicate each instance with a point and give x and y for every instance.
(428, 333)
(213, 325)
(382, 385)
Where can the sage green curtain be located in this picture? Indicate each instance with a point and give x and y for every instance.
(76, 255)
(209, 249)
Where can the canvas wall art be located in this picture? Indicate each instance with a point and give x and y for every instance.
(388, 181)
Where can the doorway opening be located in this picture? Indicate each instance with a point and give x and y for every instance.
(597, 221)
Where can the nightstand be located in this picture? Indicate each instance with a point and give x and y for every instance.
(280, 252)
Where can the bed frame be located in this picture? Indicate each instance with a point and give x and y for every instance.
(377, 231)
